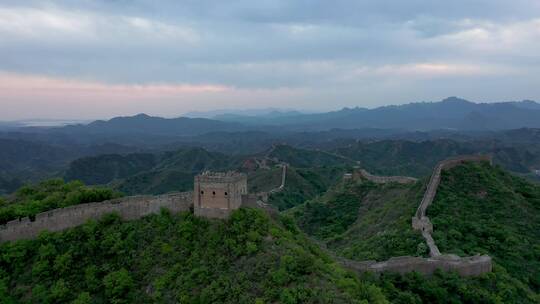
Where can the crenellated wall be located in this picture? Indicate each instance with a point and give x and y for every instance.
(129, 208)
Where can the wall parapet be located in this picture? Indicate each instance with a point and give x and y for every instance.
(129, 208)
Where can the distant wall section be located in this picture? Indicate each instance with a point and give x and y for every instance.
(383, 179)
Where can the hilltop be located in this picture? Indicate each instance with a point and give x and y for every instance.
(479, 209)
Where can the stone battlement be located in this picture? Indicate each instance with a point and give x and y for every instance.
(220, 177)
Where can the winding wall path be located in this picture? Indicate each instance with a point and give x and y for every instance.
(465, 266)
(420, 221)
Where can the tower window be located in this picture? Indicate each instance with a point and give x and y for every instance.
(214, 192)
(225, 193)
(202, 192)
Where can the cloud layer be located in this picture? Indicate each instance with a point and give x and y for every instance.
(170, 57)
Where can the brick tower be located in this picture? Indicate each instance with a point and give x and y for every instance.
(217, 194)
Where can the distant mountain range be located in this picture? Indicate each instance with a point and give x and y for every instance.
(449, 114)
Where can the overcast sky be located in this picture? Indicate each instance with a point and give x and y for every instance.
(86, 59)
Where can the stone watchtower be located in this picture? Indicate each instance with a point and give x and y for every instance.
(217, 194)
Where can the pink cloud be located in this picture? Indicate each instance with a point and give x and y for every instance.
(32, 96)
(19, 85)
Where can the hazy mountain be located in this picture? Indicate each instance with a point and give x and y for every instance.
(450, 113)
(238, 112)
(148, 125)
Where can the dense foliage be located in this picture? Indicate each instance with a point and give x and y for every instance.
(405, 157)
(479, 209)
(332, 214)
(33, 199)
(103, 169)
(301, 184)
(306, 184)
(177, 259)
(365, 221)
(155, 182)
(449, 288)
(308, 158)
(143, 173)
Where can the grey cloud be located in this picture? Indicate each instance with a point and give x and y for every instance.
(272, 44)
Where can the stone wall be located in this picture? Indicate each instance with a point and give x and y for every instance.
(435, 180)
(129, 208)
(420, 221)
(468, 266)
(283, 178)
(383, 179)
(257, 201)
(465, 266)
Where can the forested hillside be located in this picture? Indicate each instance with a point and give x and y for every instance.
(33, 199)
(166, 258)
(480, 209)
(362, 220)
(144, 173)
(405, 157)
(301, 184)
(254, 258)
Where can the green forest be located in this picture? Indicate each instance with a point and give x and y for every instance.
(255, 258)
(33, 199)
(177, 259)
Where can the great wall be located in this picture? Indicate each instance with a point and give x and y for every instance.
(130, 208)
(465, 266)
(384, 179)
